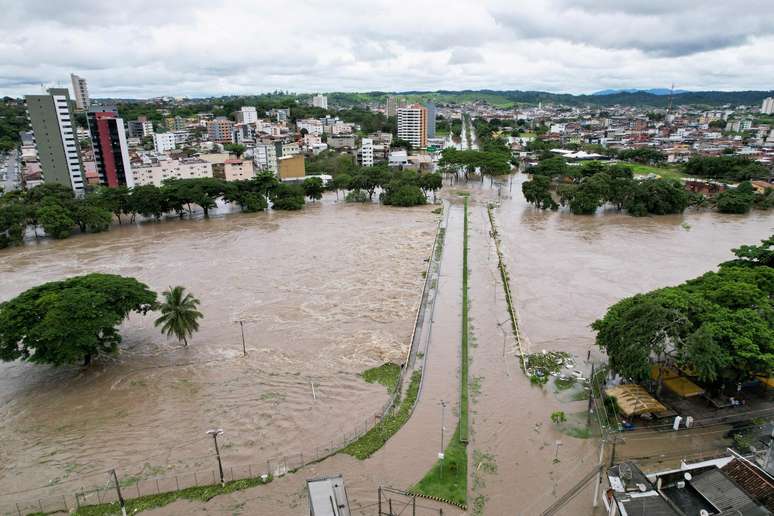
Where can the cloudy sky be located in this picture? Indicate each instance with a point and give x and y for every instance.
(143, 48)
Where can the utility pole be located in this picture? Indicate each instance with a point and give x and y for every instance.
(215, 434)
(242, 327)
(591, 396)
(118, 490)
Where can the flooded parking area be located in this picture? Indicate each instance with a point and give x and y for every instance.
(323, 294)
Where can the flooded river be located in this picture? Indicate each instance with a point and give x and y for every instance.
(568, 269)
(324, 294)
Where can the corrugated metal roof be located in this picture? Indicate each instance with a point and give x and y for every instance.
(721, 492)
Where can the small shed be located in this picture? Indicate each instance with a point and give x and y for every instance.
(327, 497)
(634, 400)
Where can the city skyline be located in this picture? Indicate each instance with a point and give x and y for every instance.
(139, 50)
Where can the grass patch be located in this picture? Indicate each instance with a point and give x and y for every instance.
(144, 503)
(463, 424)
(453, 485)
(578, 432)
(375, 438)
(387, 374)
(563, 383)
(581, 395)
(664, 172)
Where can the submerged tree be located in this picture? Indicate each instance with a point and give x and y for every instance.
(179, 316)
(68, 321)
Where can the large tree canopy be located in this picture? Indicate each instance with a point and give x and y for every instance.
(72, 320)
(720, 325)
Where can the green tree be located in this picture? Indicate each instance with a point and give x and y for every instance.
(56, 220)
(340, 182)
(68, 321)
(753, 255)
(235, 148)
(179, 314)
(431, 183)
(115, 200)
(537, 191)
(287, 197)
(551, 167)
(148, 201)
(718, 325)
(313, 188)
(737, 200)
(13, 222)
(92, 218)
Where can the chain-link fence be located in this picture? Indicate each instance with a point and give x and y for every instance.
(69, 495)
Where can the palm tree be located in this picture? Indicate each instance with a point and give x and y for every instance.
(179, 316)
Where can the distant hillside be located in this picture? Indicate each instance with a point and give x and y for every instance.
(652, 91)
(512, 98)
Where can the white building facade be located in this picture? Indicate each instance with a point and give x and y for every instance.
(164, 169)
(367, 152)
(320, 101)
(163, 142)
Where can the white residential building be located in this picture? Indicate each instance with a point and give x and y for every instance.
(320, 101)
(412, 125)
(398, 158)
(181, 137)
(163, 142)
(140, 128)
(311, 140)
(312, 125)
(767, 107)
(367, 152)
(247, 115)
(80, 91)
(161, 170)
(265, 157)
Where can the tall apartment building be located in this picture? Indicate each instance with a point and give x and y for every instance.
(431, 114)
(767, 107)
(163, 142)
(247, 115)
(220, 130)
(52, 123)
(175, 123)
(392, 106)
(140, 128)
(158, 171)
(109, 145)
(366, 154)
(265, 157)
(81, 91)
(412, 125)
(320, 101)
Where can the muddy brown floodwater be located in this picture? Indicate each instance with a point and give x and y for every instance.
(565, 271)
(569, 269)
(324, 294)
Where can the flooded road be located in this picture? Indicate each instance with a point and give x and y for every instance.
(324, 294)
(565, 271)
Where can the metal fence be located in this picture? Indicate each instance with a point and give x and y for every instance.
(69, 495)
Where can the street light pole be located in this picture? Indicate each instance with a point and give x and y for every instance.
(118, 490)
(443, 416)
(215, 434)
(242, 327)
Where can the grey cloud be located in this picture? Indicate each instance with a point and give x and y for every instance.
(656, 27)
(464, 56)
